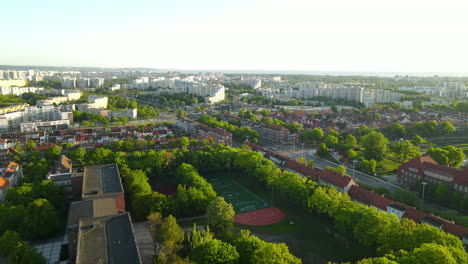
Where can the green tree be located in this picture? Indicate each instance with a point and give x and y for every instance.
(447, 128)
(405, 150)
(181, 113)
(331, 141)
(395, 130)
(301, 160)
(220, 215)
(448, 156)
(375, 145)
(30, 145)
(215, 252)
(198, 237)
(41, 219)
(417, 140)
(77, 154)
(53, 153)
(350, 142)
(272, 253)
(430, 253)
(322, 151)
(184, 142)
(171, 237)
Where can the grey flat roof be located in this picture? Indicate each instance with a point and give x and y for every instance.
(101, 179)
(108, 239)
(90, 208)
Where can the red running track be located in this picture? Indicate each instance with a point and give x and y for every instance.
(260, 217)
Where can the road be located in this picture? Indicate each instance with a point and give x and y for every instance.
(321, 163)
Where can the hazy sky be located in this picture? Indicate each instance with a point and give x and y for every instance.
(335, 35)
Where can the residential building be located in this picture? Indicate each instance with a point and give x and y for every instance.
(130, 113)
(194, 128)
(426, 169)
(107, 239)
(64, 175)
(5, 90)
(103, 181)
(274, 134)
(12, 82)
(10, 178)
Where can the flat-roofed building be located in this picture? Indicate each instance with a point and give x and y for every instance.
(64, 175)
(82, 210)
(103, 181)
(107, 239)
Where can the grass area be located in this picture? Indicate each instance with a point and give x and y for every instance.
(387, 166)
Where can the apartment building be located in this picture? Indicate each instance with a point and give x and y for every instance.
(426, 169)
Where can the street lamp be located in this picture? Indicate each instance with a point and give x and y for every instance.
(422, 198)
(302, 149)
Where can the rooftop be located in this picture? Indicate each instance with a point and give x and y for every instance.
(90, 208)
(101, 179)
(108, 239)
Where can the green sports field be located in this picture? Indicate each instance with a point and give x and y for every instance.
(243, 200)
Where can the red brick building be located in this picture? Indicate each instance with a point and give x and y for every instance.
(426, 169)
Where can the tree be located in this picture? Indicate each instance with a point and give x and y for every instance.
(41, 219)
(155, 220)
(53, 153)
(375, 145)
(311, 163)
(406, 197)
(171, 237)
(430, 253)
(199, 237)
(272, 253)
(181, 113)
(350, 142)
(447, 128)
(184, 142)
(322, 151)
(331, 141)
(395, 130)
(220, 215)
(334, 109)
(448, 156)
(417, 140)
(77, 154)
(18, 251)
(301, 160)
(30, 145)
(405, 150)
(215, 252)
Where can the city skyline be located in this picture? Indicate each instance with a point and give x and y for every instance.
(357, 36)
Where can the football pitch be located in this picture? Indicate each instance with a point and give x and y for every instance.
(242, 199)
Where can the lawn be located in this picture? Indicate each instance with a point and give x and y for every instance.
(387, 166)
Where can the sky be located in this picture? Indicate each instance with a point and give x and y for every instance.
(288, 35)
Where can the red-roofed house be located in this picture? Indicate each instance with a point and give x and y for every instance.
(10, 178)
(426, 169)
